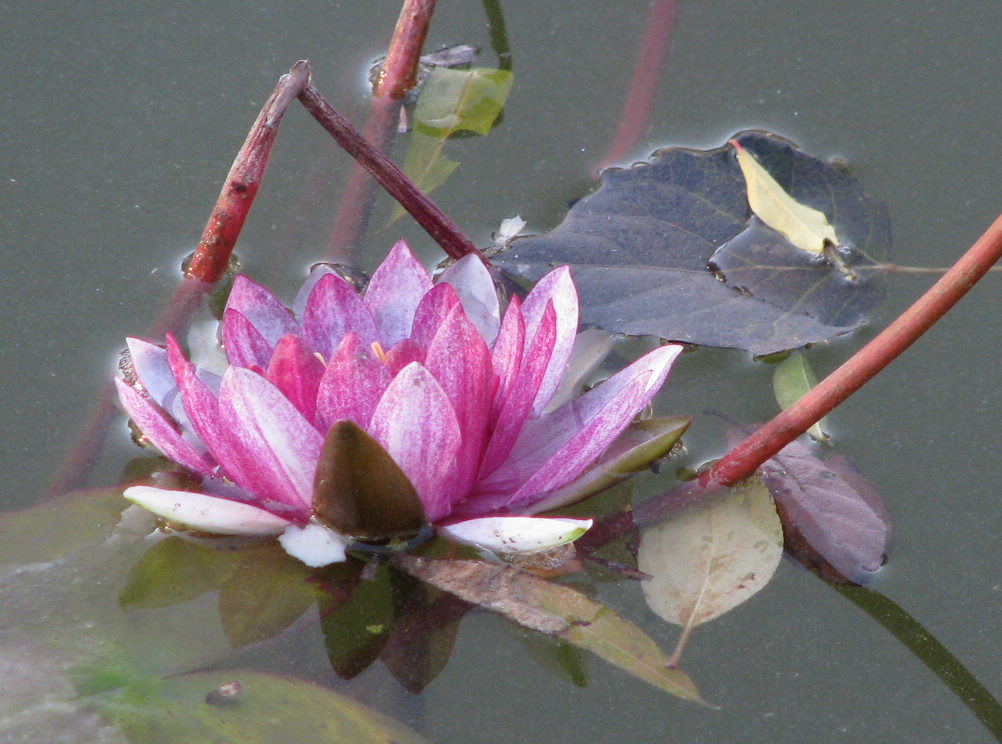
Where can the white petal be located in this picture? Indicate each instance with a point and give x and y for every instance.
(206, 353)
(314, 544)
(206, 513)
(475, 287)
(519, 535)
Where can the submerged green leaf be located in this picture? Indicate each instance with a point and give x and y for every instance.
(451, 101)
(244, 707)
(264, 596)
(55, 527)
(176, 570)
(791, 380)
(556, 610)
(711, 556)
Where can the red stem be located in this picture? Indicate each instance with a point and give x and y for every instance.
(208, 264)
(443, 230)
(399, 71)
(771, 437)
(396, 77)
(643, 83)
(206, 267)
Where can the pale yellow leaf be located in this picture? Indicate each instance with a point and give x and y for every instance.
(805, 227)
(711, 556)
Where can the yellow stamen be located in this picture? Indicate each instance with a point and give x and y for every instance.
(378, 351)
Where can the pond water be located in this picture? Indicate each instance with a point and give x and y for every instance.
(121, 123)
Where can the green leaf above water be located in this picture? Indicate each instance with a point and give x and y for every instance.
(791, 380)
(451, 101)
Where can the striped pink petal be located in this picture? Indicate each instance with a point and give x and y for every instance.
(522, 391)
(296, 371)
(162, 433)
(472, 280)
(556, 287)
(459, 360)
(267, 430)
(415, 424)
(352, 385)
(244, 344)
(259, 306)
(332, 310)
(394, 291)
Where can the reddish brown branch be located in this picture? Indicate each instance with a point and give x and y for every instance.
(205, 268)
(399, 71)
(212, 255)
(745, 458)
(397, 76)
(771, 437)
(443, 230)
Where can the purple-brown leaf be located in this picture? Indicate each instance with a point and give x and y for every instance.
(831, 514)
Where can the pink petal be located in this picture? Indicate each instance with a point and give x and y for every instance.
(202, 408)
(472, 280)
(403, 352)
(272, 437)
(333, 309)
(517, 404)
(556, 448)
(207, 513)
(296, 371)
(431, 313)
(351, 386)
(162, 433)
(269, 316)
(506, 355)
(415, 423)
(459, 360)
(558, 287)
(243, 343)
(394, 292)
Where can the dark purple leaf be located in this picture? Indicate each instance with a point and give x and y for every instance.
(642, 245)
(831, 514)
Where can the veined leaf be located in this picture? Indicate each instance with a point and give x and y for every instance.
(556, 610)
(792, 378)
(711, 556)
(451, 101)
(670, 248)
(807, 228)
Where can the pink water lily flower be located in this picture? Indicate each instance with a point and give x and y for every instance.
(453, 391)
